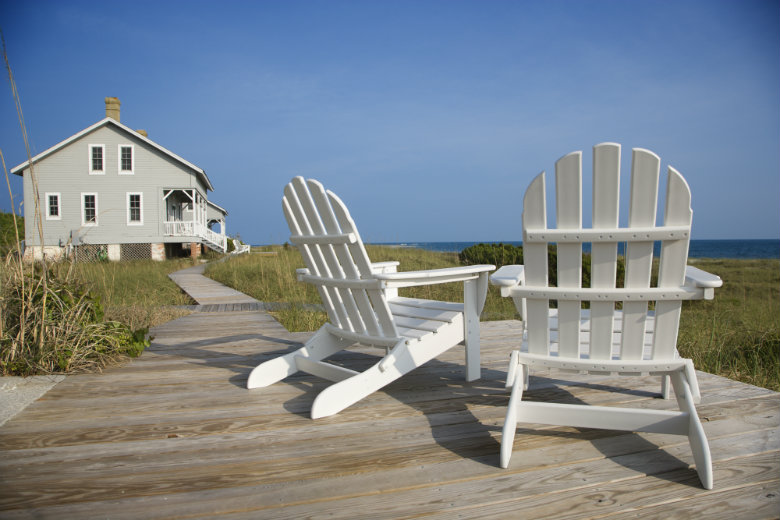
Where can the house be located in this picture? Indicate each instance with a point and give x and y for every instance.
(111, 192)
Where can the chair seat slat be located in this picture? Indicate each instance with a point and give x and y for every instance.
(427, 304)
(586, 317)
(413, 333)
(417, 323)
(422, 312)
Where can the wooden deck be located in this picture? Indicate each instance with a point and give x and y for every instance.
(174, 434)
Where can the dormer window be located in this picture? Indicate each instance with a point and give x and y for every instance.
(125, 159)
(97, 155)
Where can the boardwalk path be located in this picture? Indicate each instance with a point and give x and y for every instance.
(206, 291)
(175, 434)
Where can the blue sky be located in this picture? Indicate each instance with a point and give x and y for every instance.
(428, 118)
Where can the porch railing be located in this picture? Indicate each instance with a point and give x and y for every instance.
(188, 228)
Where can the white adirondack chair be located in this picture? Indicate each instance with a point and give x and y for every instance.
(239, 248)
(363, 306)
(603, 339)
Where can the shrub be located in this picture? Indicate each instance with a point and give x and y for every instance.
(496, 254)
(506, 254)
(50, 323)
(7, 232)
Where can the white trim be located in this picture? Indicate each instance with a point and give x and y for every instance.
(83, 210)
(127, 201)
(89, 156)
(131, 171)
(48, 207)
(19, 169)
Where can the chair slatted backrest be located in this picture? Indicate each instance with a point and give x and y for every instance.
(604, 236)
(338, 264)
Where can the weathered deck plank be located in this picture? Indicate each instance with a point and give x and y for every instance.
(175, 434)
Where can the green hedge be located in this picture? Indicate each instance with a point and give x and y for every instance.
(506, 254)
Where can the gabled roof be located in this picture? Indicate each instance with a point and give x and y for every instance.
(110, 121)
(218, 207)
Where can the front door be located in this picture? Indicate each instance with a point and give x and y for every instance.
(174, 211)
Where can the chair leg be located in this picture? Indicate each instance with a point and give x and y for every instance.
(693, 381)
(665, 386)
(402, 359)
(339, 396)
(510, 422)
(471, 297)
(320, 346)
(696, 437)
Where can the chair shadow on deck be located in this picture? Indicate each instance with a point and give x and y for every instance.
(454, 427)
(240, 364)
(626, 448)
(439, 392)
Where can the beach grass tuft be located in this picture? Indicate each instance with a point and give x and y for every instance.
(137, 293)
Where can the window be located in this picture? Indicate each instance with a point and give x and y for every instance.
(125, 159)
(89, 209)
(135, 209)
(97, 156)
(53, 210)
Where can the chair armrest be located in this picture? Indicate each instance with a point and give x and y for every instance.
(384, 267)
(300, 273)
(433, 276)
(507, 277)
(697, 278)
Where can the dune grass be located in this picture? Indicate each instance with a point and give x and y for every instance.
(69, 318)
(736, 335)
(137, 293)
(271, 278)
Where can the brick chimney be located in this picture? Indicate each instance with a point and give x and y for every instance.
(112, 108)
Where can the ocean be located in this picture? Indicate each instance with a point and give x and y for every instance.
(698, 248)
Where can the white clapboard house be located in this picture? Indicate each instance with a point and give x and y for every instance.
(111, 192)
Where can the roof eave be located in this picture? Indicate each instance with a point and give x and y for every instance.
(219, 208)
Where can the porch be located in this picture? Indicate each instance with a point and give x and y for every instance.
(189, 214)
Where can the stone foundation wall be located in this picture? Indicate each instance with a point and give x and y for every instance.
(114, 252)
(158, 252)
(34, 253)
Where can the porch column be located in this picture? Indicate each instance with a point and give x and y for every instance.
(204, 212)
(195, 211)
